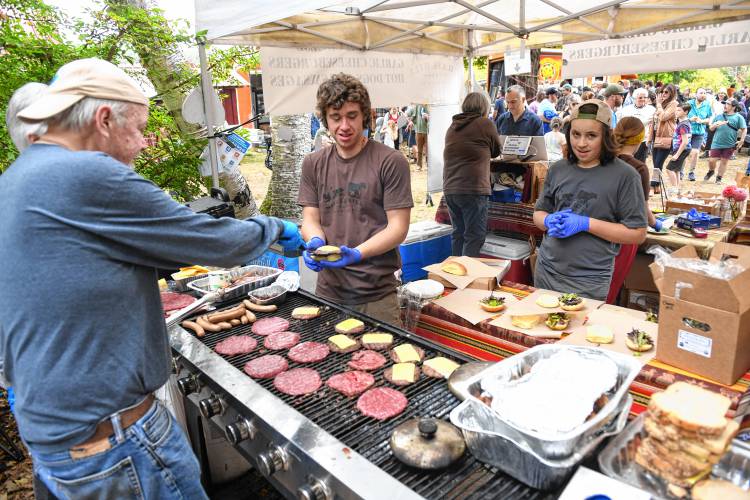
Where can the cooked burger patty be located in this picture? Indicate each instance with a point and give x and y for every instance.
(267, 326)
(267, 366)
(281, 340)
(381, 403)
(367, 360)
(308, 352)
(351, 383)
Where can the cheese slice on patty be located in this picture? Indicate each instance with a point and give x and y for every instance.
(377, 338)
(404, 372)
(407, 353)
(350, 324)
(443, 366)
(342, 341)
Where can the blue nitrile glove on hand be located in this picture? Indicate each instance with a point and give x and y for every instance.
(553, 222)
(312, 245)
(658, 225)
(290, 239)
(569, 225)
(349, 256)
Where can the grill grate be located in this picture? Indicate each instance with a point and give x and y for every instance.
(338, 415)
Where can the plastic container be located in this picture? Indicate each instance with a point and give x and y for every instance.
(516, 251)
(426, 243)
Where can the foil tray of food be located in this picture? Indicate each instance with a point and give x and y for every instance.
(272, 294)
(501, 446)
(241, 280)
(618, 460)
(555, 397)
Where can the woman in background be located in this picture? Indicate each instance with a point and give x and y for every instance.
(554, 141)
(664, 125)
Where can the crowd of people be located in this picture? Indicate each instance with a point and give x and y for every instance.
(717, 122)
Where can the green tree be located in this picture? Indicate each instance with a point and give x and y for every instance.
(669, 76)
(713, 79)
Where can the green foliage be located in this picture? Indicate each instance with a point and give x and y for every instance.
(480, 63)
(669, 76)
(240, 57)
(712, 79)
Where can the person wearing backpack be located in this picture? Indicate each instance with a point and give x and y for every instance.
(729, 129)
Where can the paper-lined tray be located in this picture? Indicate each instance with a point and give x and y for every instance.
(621, 321)
(474, 270)
(528, 305)
(577, 319)
(465, 303)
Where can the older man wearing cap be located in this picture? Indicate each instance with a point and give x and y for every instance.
(642, 110)
(86, 349)
(562, 101)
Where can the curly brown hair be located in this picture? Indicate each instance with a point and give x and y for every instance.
(339, 89)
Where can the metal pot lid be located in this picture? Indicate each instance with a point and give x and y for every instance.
(459, 377)
(427, 443)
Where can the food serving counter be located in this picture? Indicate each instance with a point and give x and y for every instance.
(488, 342)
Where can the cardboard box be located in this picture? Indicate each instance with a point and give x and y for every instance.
(704, 202)
(704, 322)
(639, 277)
(480, 283)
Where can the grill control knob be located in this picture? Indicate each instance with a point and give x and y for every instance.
(211, 406)
(271, 461)
(315, 489)
(189, 384)
(176, 365)
(240, 430)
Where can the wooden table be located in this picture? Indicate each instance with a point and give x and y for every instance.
(678, 238)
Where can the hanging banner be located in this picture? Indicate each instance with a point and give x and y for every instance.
(517, 63)
(550, 68)
(291, 77)
(708, 46)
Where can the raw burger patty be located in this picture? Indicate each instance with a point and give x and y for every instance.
(351, 383)
(381, 403)
(236, 344)
(171, 301)
(309, 352)
(267, 326)
(297, 381)
(266, 366)
(367, 360)
(281, 340)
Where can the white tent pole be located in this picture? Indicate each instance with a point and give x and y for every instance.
(486, 14)
(576, 15)
(403, 5)
(470, 56)
(207, 90)
(566, 11)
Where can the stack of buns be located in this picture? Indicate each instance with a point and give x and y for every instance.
(686, 433)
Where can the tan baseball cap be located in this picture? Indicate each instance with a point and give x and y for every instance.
(593, 109)
(84, 78)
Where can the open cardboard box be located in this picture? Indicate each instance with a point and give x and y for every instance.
(481, 273)
(704, 322)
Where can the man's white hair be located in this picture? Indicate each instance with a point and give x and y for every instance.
(18, 129)
(81, 113)
(518, 89)
(640, 92)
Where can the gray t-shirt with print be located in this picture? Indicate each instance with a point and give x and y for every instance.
(610, 193)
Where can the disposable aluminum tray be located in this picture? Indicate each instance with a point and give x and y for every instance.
(504, 448)
(559, 445)
(181, 285)
(272, 294)
(264, 277)
(617, 460)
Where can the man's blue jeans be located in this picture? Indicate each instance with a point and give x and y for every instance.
(469, 220)
(150, 459)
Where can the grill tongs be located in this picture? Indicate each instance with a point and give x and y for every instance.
(185, 311)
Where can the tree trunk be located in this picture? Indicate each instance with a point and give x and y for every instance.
(291, 143)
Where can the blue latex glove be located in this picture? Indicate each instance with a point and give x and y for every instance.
(553, 222)
(312, 245)
(290, 239)
(571, 224)
(658, 225)
(349, 256)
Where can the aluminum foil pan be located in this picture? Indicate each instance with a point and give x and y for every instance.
(558, 445)
(263, 276)
(272, 294)
(617, 460)
(505, 449)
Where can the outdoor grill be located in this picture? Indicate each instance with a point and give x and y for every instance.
(320, 445)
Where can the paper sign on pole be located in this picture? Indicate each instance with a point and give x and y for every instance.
(291, 76)
(708, 46)
(230, 150)
(517, 62)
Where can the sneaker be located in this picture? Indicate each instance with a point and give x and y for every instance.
(709, 174)
(681, 175)
(734, 157)
(718, 179)
(691, 176)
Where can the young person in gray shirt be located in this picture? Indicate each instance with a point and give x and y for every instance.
(591, 203)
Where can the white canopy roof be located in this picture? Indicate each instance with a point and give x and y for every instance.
(449, 26)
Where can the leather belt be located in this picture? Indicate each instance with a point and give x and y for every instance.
(99, 442)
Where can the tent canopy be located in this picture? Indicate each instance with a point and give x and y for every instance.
(455, 27)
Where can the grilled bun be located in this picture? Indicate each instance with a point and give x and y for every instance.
(454, 267)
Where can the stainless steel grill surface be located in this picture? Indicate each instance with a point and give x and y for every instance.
(338, 416)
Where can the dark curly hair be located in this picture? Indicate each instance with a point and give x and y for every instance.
(340, 89)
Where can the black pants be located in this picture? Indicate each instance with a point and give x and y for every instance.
(659, 156)
(641, 153)
(469, 219)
